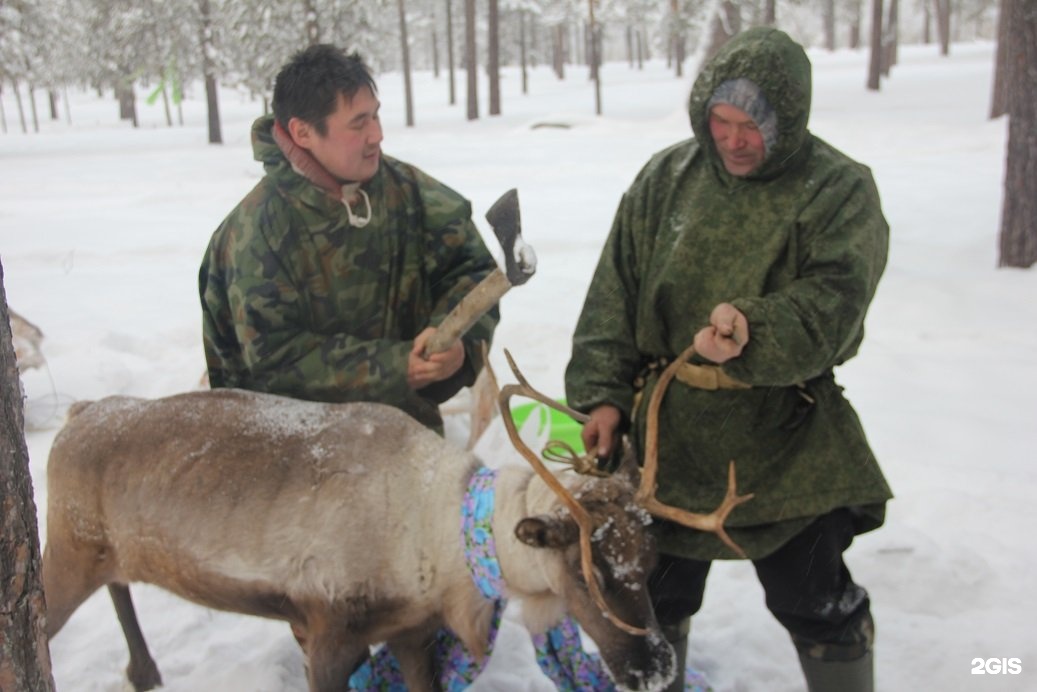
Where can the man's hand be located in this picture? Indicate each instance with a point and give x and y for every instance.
(600, 433)
(725, 337)
(423, 371)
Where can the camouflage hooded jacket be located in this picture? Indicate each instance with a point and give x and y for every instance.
(798, 246)
(296, 301)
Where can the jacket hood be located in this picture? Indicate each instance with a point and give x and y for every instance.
(779, 67)
(264, 148)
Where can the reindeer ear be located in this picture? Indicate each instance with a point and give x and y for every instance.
(547, 532)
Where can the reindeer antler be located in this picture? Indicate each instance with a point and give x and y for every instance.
(712, 522)
(579, 514)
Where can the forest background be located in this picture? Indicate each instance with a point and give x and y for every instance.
(172, 56)
(166, 45)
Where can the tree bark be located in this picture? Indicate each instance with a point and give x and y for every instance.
(999, 97)
(127, 103)
(493, 55)
(24, 656)
(470, 59)
(21, 108)
(595, 62)
(875, 64)
(1019, 211)
(828, 19)
(890, 38)
(677, 38)
(558, 52)
(408, 94)
(726, 23)
(943, 25)
(450, 50)
(205, 41)
(523, 57)
(312, 22)
(854, 38)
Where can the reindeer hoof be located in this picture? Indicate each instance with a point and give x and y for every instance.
(144, 675)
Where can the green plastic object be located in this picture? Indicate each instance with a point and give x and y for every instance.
(551, 424)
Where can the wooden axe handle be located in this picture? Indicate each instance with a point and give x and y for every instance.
(477, 303)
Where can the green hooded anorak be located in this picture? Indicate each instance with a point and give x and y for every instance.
(798, 246)
(297, 301)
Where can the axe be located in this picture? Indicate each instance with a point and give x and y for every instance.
(519, 264)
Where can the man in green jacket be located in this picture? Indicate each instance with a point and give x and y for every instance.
(328, 278)
(762, 246)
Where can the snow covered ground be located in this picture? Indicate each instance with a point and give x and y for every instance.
(102, 228)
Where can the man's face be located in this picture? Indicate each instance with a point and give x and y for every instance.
(351, 148)
(737, 139)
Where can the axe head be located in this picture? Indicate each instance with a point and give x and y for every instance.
(519, 258)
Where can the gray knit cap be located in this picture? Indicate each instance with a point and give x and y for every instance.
(746, 96)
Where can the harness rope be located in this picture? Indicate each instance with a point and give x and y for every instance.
(559, 650)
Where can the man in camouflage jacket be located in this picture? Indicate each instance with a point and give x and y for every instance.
(328, 278)
(761, 245)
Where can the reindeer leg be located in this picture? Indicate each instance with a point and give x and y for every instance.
(332, 656)
(414, 652)
(142, 671)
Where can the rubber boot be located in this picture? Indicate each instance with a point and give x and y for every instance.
(856, 675)
(677, 636)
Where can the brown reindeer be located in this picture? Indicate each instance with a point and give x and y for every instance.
(341, 519)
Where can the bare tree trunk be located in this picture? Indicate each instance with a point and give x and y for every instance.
(127, 103)
(209, 70)
(470, 59)
(52, 102)
(408, 99)
(999, 99)
(434, 41)
(770, 13)
(523, 57)
(854, 39)
(1019, 210)
(726, 24)
(875, 64)
(450, 49)
(213, 110)
(493, 55)
(927, 21)
(890, 38)
(577, 45)
(32, 107)
(676, 24)
(828, 19)
(559, 51)
(312, 22)
(3, 113)
(165, 106)
(21, 108)
(943, 25)
(24, 656)
(594, 63)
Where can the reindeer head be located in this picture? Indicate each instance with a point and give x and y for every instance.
(622, 555)
(604, 543)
